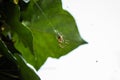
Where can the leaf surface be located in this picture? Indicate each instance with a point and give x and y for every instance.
(27, 73)
(11, 12)
(8, 67)
(54, 31)
(14, 67)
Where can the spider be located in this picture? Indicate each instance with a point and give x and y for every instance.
(61, 40)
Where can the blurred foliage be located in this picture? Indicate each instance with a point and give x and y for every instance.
(30, 32)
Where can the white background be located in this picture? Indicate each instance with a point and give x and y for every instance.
(99, 24)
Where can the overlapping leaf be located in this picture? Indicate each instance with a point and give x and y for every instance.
(11, 13)
(8, 68)
(54, 31)
(14, 67)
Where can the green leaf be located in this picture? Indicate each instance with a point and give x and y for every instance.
(8, 69)
(24, 34)
(12, 19)
(27, 73)
(54, 31)
(10, 65)
(5, 52)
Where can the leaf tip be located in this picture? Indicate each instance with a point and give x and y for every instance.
(85, 42)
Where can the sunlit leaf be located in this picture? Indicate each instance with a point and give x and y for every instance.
(54, 31)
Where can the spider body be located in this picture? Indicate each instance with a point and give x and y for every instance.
(61, 40)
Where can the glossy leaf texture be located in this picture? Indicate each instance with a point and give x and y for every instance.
(54, 31)
(14, 67)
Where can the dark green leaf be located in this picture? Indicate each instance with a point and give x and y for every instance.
(10, 65)
(5, 52)
(8, 69)
(27, 73)
(12, 19)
